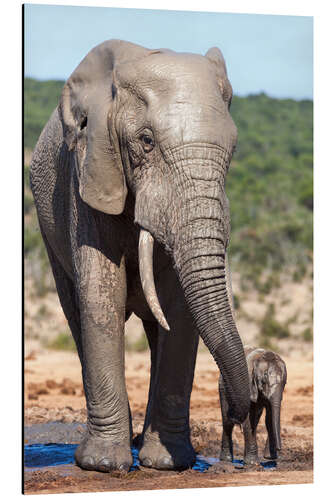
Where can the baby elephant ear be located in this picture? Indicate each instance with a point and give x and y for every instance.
(253, 389)
(251, 365)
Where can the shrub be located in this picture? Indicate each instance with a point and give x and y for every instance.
(236, 302)
(270, 327)
(43, 311)
(63, 342)
(139, 345)
(266, 343)
(308, 334)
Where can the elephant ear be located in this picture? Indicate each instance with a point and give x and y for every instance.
(251, 359)
(253, 388)
(86, 110)
(283, 369)
(215, 56)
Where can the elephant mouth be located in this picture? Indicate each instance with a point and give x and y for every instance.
(146, 248)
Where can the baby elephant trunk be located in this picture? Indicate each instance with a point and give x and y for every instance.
(273, 444)
(276, 424)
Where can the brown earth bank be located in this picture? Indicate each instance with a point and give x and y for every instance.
(53, 393)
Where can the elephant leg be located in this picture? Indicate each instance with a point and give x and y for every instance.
(250, 434)
(267, 452)
(151, 330)
(166, 440)
(227, 444)
(102, 297)
(66, 294)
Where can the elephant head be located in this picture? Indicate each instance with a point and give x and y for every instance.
(156, 123)
(268, 376)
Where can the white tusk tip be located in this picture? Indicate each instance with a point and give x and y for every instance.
(166, 327)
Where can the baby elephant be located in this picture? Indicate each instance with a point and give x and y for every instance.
(268, 376)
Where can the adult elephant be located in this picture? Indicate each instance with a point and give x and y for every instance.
(135, 157)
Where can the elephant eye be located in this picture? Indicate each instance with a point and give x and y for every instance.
(147, 142)
(84, 123)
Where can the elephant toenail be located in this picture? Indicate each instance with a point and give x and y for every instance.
(104, 465)
(87, 463)
(124, 467)
(166, 462)
(147, 462)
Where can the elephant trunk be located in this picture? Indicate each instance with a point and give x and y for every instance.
(202, 275)
(273, 443)
(201, 268)
(275, 409)
(199, 226)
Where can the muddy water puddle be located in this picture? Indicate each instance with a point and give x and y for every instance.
(43, 449)
(51, 454)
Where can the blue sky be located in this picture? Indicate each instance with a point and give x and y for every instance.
(264, 53)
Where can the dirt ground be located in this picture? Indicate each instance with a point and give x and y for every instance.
(53, 392)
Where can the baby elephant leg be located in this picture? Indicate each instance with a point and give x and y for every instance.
(226, 445)
(267, 452)
(250, 434)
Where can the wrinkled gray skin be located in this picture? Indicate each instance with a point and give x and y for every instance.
(268, 376)
(141, 139)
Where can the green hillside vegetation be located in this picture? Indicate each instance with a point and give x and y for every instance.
(40, 99)
(269, 184)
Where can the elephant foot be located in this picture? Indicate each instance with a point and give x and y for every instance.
(268, 455)
(167, 452)
(225, 456)
(271, 456)
(104, 455)
(251, 460)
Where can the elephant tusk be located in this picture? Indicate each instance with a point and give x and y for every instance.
(146, 246)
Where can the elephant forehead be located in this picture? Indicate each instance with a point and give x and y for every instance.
(169, 73)
(262, 366)
(182, 97)
(169, 65)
